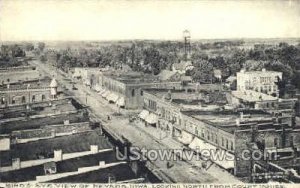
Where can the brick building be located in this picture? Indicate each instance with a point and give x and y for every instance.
(199, 119)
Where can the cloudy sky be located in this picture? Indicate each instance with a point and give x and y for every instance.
(113, 20)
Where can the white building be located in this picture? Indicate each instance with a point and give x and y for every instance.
(260, 81)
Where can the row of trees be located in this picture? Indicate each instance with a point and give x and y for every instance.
(11, 54)
(152, 57)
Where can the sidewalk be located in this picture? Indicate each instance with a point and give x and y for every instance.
(167, 140)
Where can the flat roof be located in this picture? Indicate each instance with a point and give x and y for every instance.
(33, 84)
(134, 77)
(188, 97)
(253, 96)
(226, 119)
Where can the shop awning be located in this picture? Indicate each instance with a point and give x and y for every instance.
(143, 114)
(226, 160)
(199, 146)
(97, 88)
(102, 91)
(112, 97)
(219, 156)
(186, 138)
(105, 94)
(121, 101)
(151, 118)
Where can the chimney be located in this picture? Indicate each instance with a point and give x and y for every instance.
(67, 122)
(53, 134)
(94, 148)
(237, 121)
(4, 144)
(241, 115)
(58, 155)
(102, 163)
(16, 163)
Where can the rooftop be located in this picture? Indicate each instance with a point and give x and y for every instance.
(253, 96)
(38, 108)
(120, 172)
(27, 174)
(68, 144)
(133, 77)
(189, 98)
(227, 119)
(30, 84)
(22, 123)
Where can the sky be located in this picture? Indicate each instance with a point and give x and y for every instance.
(145, 19)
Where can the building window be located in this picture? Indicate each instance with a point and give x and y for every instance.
(227, 144)
(33, 98)
(23, 99)
(231, 146)
(2, 100)
(132, 93)
(291, 141)
(43, 97)
(142, 92)
(202, 133)
(276, 142)
(216, 139)
(222, 141)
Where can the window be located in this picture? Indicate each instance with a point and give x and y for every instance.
(23, 99)
(142, 92)
(2, 100)
(276, 142)
(33, 98)
(227, 144)
(132, 93)
(291, 141)
(231, 146)
(222, 141)
(202, 133)
(43, 97)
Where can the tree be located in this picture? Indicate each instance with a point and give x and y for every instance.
(41, 46)
(29, 47)
(203, 71)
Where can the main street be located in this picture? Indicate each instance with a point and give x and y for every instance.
(179, 171)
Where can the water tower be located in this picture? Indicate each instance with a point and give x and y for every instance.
(187, 44)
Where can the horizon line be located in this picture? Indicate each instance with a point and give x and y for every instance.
(146, 39)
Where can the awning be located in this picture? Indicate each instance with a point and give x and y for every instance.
(112, 97)
(226, 160)
(151, 118)
(105, 94)
(186, 138)
(97, 88)
(219, 156)
(102, 91)
(121, 101)
(143, 114)
(199, 146)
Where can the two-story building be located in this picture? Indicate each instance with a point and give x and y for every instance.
(261, 81)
